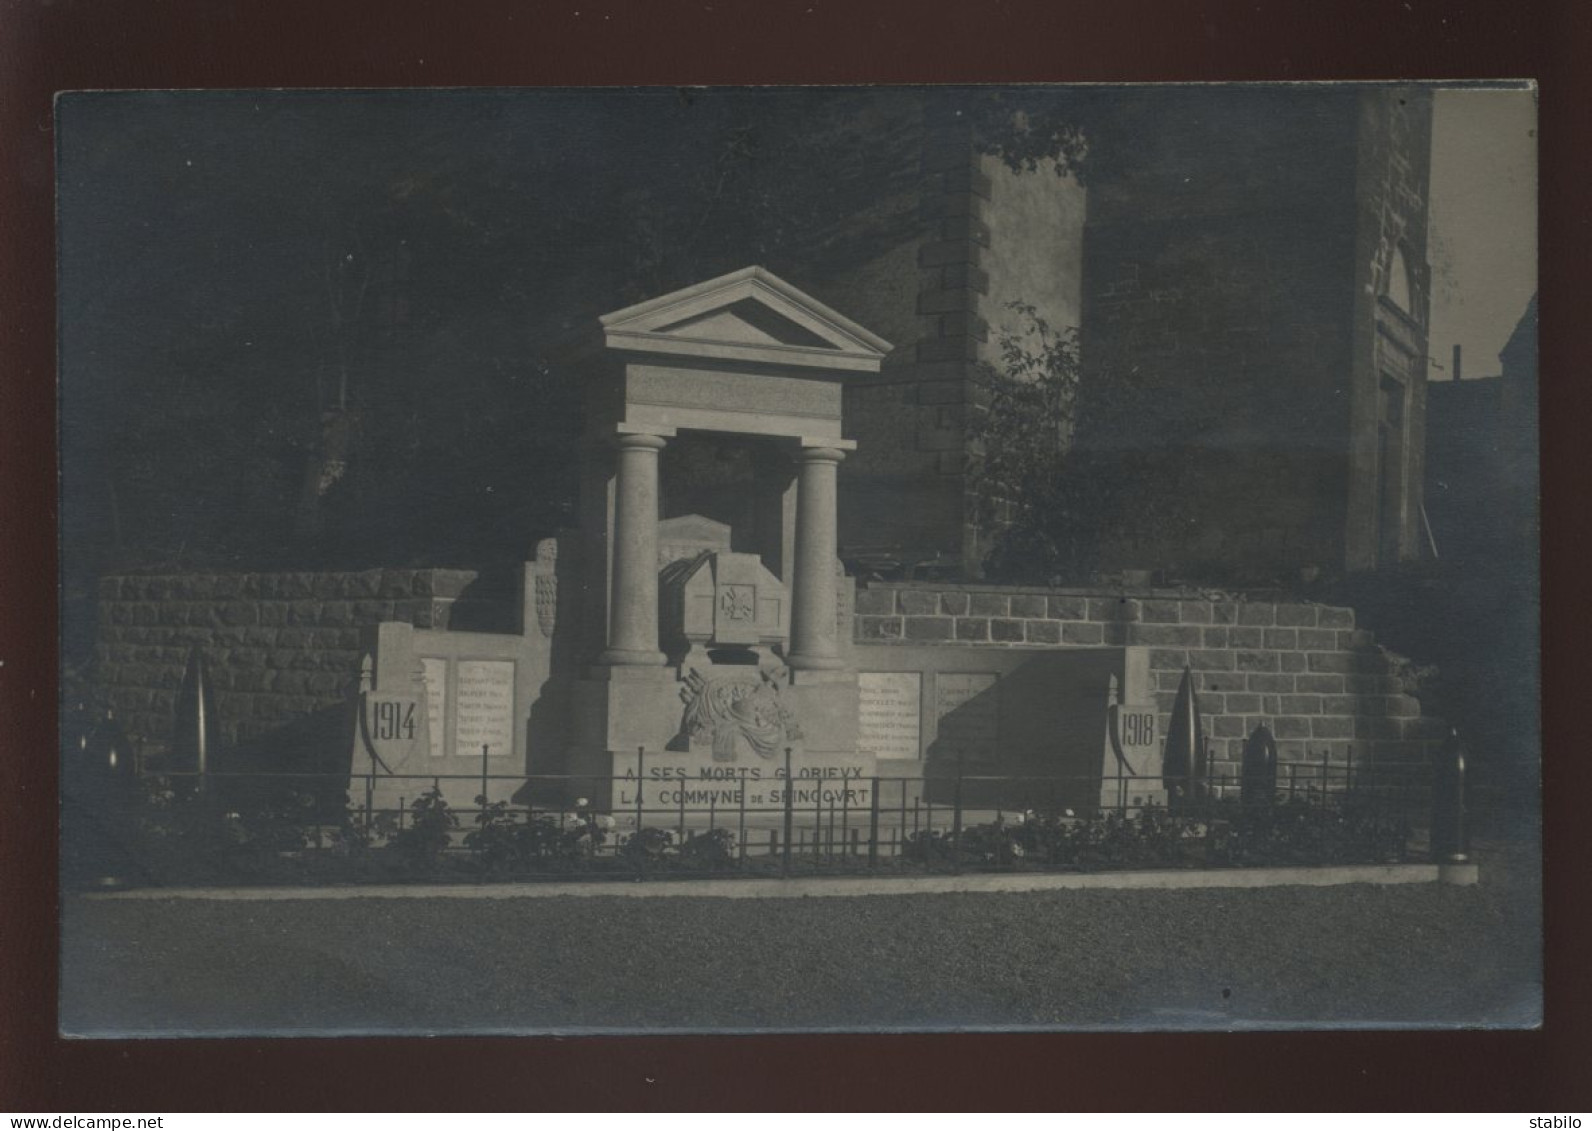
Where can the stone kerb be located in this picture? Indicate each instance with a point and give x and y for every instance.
(280, 645)
(1305, 670)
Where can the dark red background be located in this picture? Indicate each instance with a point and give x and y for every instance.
(71, 44)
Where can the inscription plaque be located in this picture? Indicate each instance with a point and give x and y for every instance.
(483, 708)
(965, 703)
(436, 700)
(889, 706)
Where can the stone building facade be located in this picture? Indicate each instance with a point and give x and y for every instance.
(1255, 262)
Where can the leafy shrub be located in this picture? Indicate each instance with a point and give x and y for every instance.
(1350, 830)
(504, 840)
(499, 838)
(713, 849)
(646, 847)
(426, 837)
(353, 838)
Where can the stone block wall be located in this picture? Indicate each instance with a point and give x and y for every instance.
(278, 646)
(1307, 671)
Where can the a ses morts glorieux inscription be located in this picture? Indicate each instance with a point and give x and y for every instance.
(671, 780)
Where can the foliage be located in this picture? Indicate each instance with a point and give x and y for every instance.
(1048, 470)
(185, 835)
(1222, 834)
(503, 842)
(713, 849)
(647, 847)
(1029, 130)
(1351, 830)
(353, 838)
(499, 839)
(429, 831)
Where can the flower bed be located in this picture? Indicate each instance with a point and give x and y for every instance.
(174, 838)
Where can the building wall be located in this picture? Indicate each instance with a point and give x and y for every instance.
(278, 646)
(986, 236)
(1218, 257)
(281, 647)
(1392, 289)
(1305, 670)
(1218, 286)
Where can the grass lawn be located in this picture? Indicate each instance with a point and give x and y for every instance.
(1354, 955)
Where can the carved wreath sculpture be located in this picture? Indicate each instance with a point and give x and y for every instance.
(722, 710)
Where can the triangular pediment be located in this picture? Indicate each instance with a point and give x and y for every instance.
(747, 315)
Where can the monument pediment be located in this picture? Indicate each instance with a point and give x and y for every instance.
(747, 315)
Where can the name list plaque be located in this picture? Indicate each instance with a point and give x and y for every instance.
(483, 708)
(965, 703)
(436, 701)
(889, 707)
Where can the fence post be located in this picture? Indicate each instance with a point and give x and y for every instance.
(641, 757)
(740, 822)
(873, 825)
(1448, 803)
(845, 818)
(956, 820)
(818, 820)
(785, 867)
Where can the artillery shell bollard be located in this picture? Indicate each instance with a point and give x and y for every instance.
(1258, 781)
(1450, 836)
(1185, 764)
(194, 731)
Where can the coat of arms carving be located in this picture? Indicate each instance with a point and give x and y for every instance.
(732, 712)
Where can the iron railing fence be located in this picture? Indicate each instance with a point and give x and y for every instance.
(298, 827)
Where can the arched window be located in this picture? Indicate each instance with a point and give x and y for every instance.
(1398, 282)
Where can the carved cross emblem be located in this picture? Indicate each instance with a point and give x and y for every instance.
(735, 602)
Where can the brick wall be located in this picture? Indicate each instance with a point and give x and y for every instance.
(282, 646)
(279, 645)
(1306, 670)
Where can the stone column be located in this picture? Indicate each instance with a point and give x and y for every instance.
(812, 630)
(633, 605)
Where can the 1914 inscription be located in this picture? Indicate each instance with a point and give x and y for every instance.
(889, 707)
(483, 709)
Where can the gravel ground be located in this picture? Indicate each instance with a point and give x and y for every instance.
(1300, 957)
